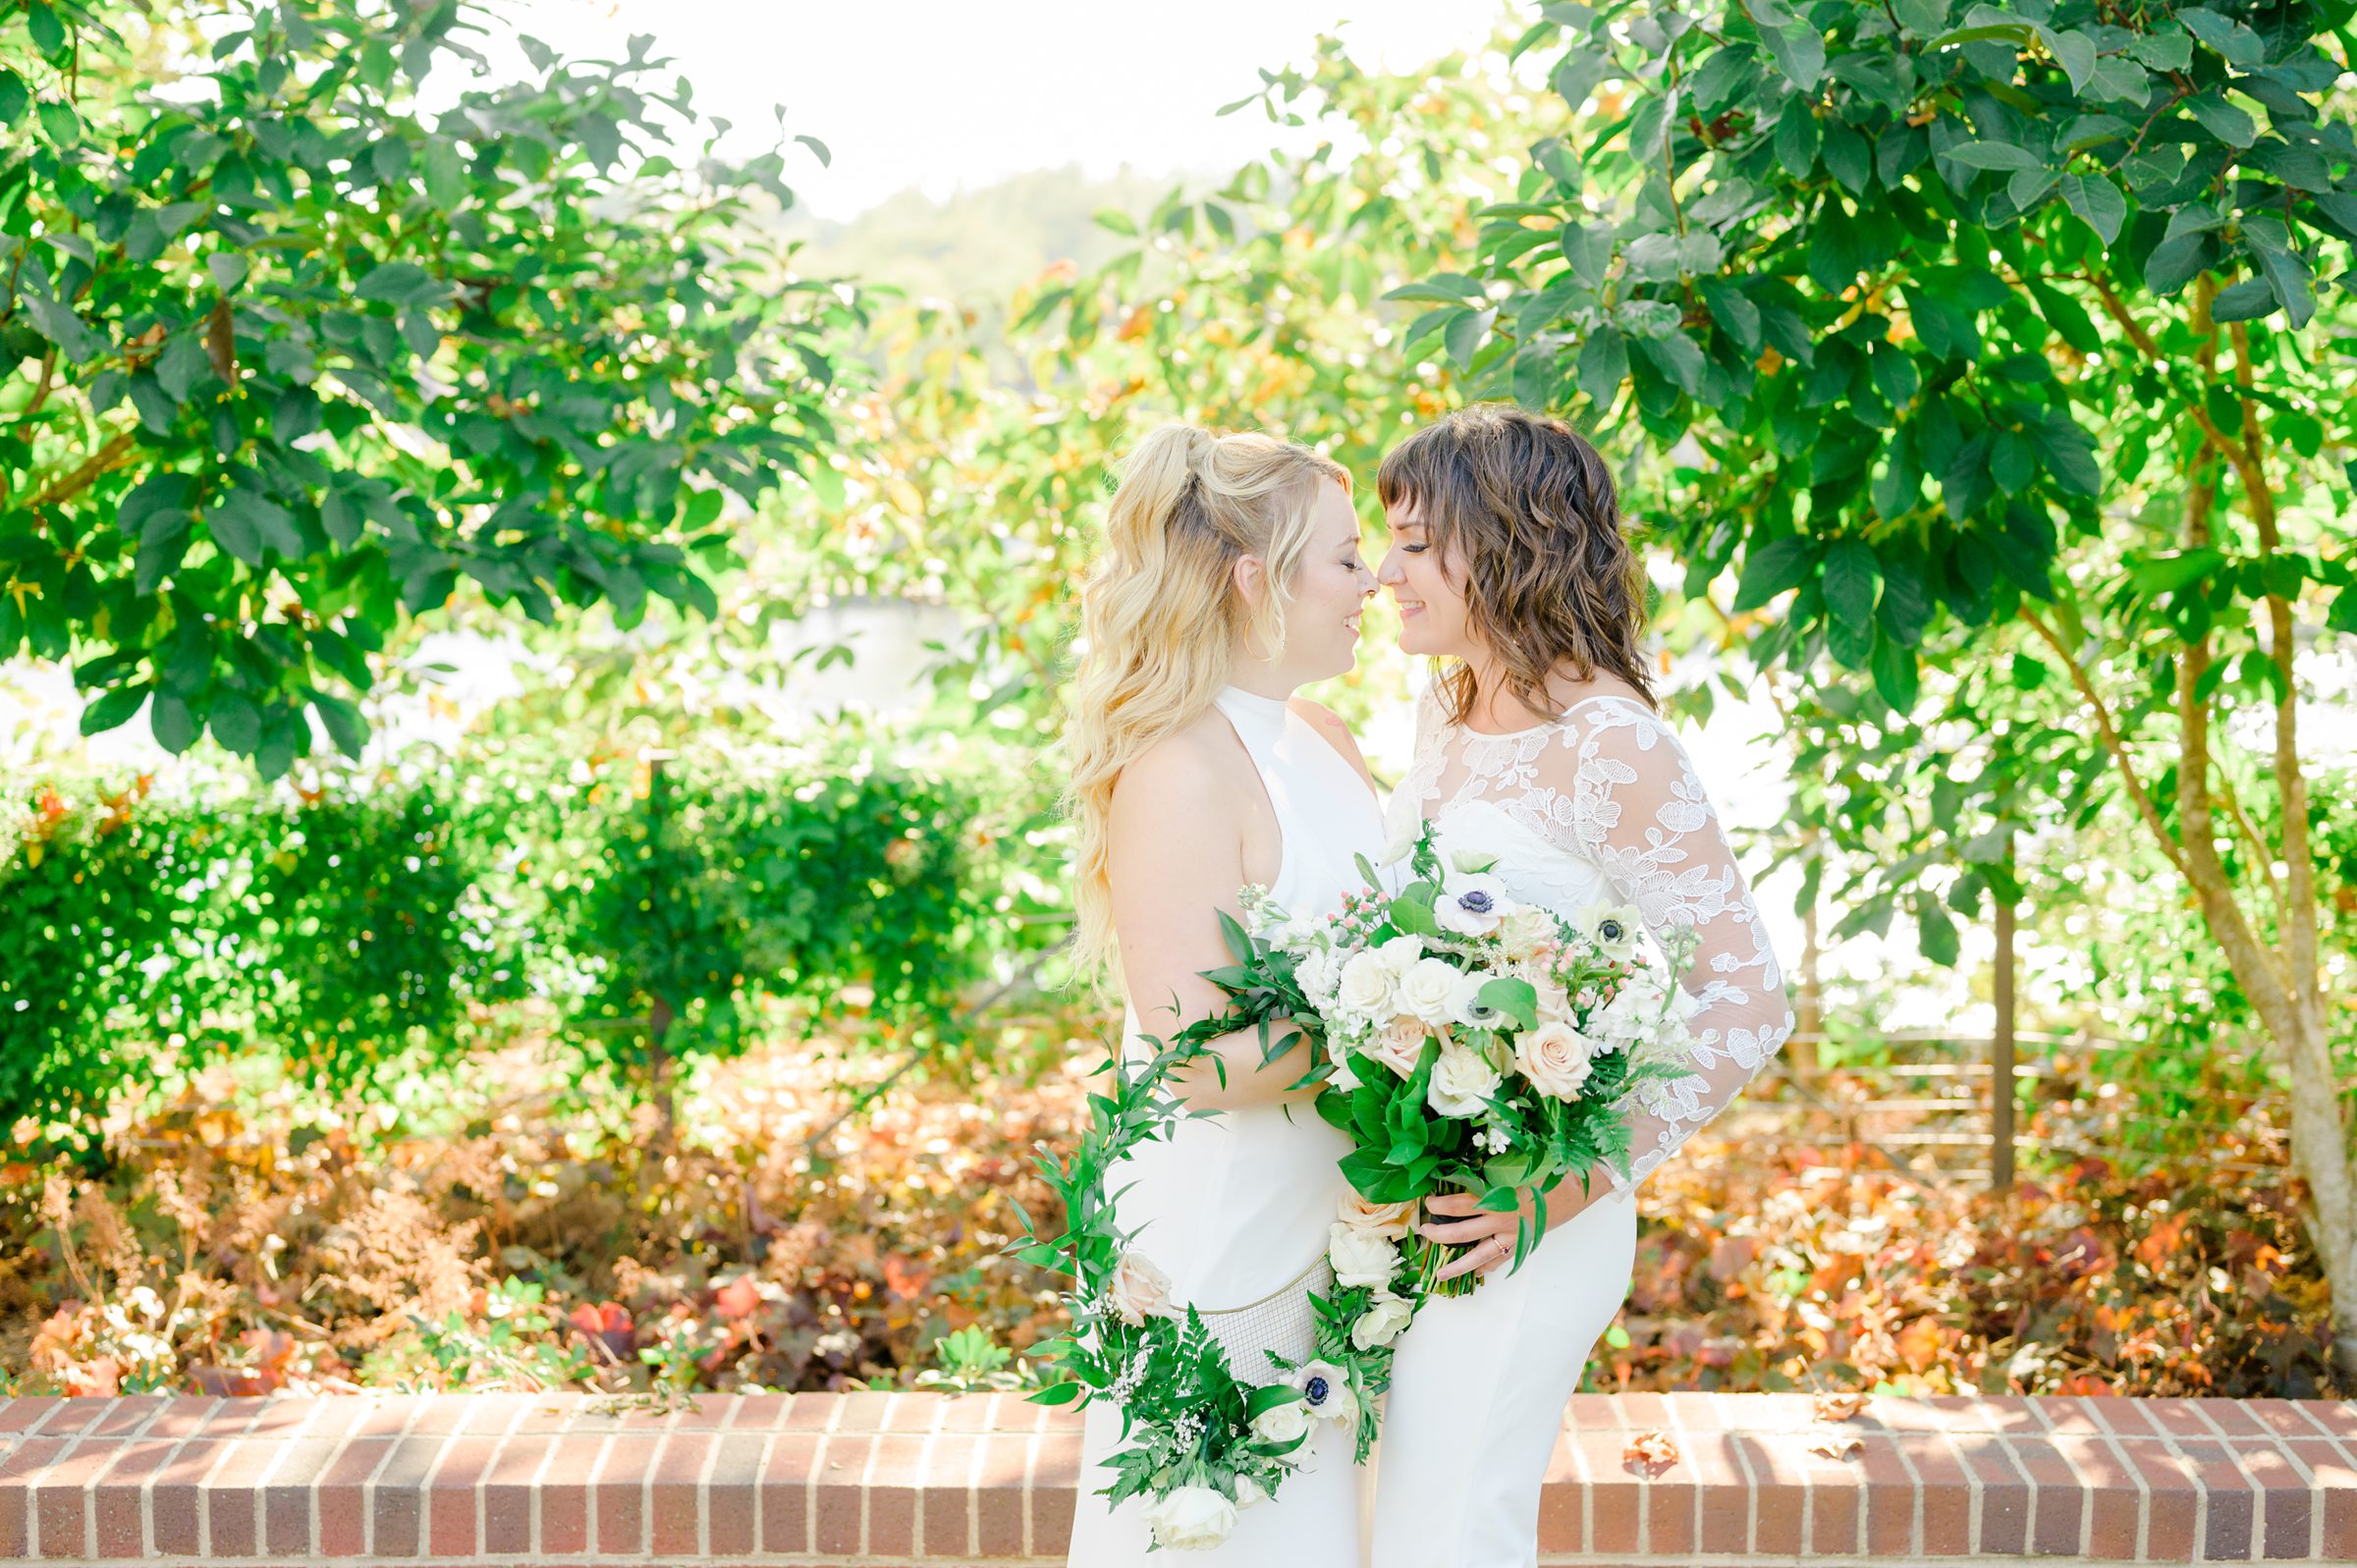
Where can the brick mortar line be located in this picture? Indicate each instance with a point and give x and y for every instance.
(368, 1484)
(645, 1545)
(89, 1487)
(2233, 1451)
(703, 1495)
(924, 1466)
(1915, 1522)
(2029, 1522)
(482, 1480)
(259, 1487)
(1677, 1427)
(2045, 1424)
(2200, 1490)
(592, 1530)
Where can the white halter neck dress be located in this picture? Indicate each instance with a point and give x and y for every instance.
(1236, 1207)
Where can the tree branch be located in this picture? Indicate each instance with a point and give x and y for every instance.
(2109, 734)
(105, 458)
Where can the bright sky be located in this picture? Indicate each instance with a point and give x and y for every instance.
(940, 95)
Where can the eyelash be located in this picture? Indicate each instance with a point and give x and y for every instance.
(1416, 549)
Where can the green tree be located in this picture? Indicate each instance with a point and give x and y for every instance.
(290, 356)
(1968, 336)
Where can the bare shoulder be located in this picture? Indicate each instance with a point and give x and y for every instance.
(1335, 732)
(1195, 768)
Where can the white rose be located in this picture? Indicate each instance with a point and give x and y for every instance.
(1554, 1001)
(1360, 1257)
(1139, 1290)
(1325, 1391)
(1463, 1081)
(1471, 904)
(1381, 1323)
(1429, 991)
(1391, 1220)
(1282, 1424)
(1191, 1519)
(1248, 1493)
(1402, 842)
(1401, 953)
(1398, 1045)
(1553, 1058)
(1365, 991)
(1528, 932)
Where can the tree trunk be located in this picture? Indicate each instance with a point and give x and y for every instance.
(2001, 1058)
(1808, 1001)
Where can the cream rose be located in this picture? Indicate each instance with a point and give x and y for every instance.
(1528, 932)
(1365, 989)
(1381, 1323)
(1191, 1519)
(1360, 1257)
(1554, 1001)
(1463, 1081)
(1429, 991)
(1282, 1424)
(1140, 1290)
(1398, 1044)
(1553, 1058)
(1391, 1220)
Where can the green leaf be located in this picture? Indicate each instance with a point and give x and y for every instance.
(2098, 201)
(1463, 336)
(1603, 366)
(1771, 570)
(2287, 275)
(1518, 1000)
(2075, 53)
(1797, 137)
(1895, 675)
(15, 97)
(2222, 119)
(2158, 574)
(173, 723)
(345, 725)
(444, 173)
(1852, 580)
(1936, 934)
(48, 33)
(59, 122)
(2066, 316)
(1992, 155)
(2238, 43)
(113, 708)
(1798, 50)
(2246, 300)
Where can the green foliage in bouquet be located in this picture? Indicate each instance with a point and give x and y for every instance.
(1202, 1437)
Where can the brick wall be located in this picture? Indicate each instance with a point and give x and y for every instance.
(920, 1479)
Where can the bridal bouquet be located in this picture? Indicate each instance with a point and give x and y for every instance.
(1203, 1440)
(1472, 1043)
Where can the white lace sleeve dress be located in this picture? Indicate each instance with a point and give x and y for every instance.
(1599, 806)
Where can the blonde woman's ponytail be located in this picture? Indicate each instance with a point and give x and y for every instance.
(1160, 613)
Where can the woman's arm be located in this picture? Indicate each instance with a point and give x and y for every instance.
(1641, 814)
(1177, 855)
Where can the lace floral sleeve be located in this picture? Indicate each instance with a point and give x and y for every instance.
(1405, 810)
(1627, 793)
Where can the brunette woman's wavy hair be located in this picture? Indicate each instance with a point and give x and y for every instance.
(1531, 511)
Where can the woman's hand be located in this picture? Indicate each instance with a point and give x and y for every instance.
(1489, 1236)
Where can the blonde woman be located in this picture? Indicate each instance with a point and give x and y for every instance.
(1230, 577)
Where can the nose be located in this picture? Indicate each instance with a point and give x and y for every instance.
(1390, 574)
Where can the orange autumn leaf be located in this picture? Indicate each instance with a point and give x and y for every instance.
(1840, 1406)
(1650, 1451)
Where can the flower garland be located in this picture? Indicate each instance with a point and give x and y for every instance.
(1202, 1441)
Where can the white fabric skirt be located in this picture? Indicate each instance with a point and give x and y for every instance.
(1478, 1392)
